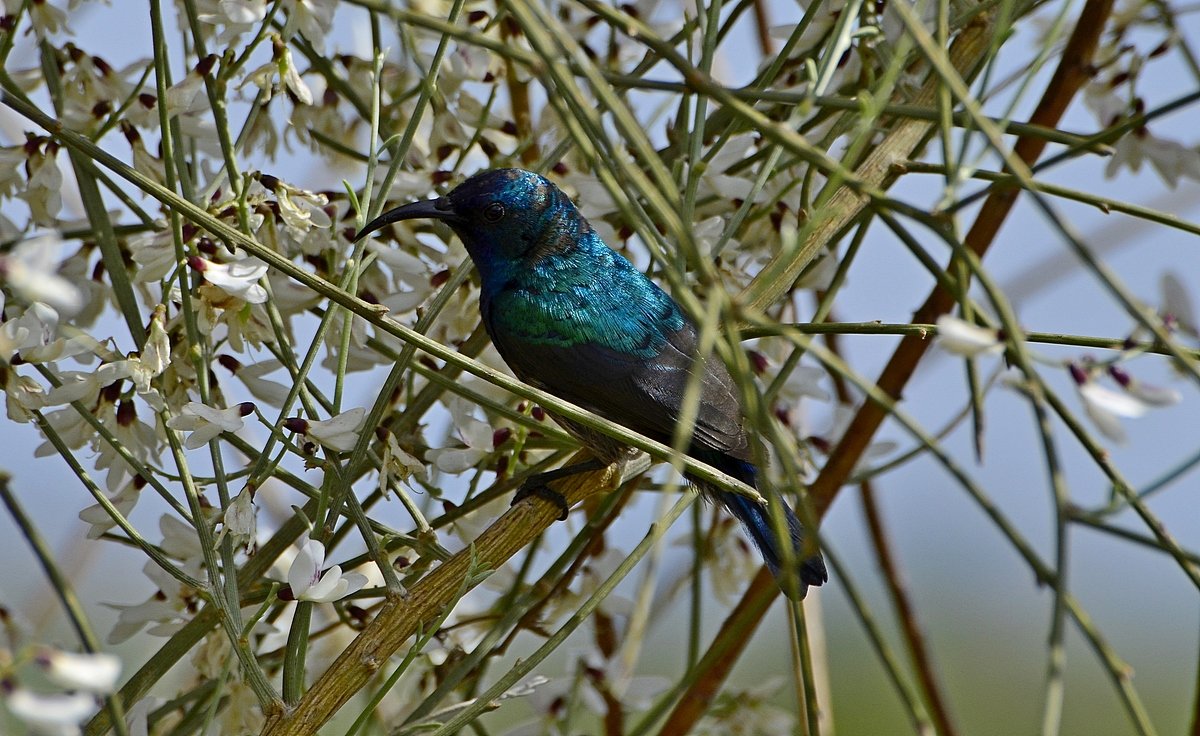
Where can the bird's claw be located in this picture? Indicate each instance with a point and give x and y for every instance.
(546, 493)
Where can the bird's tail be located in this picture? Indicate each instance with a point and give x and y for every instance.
(757, 521)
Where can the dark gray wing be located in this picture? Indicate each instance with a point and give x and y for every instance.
(645, 395)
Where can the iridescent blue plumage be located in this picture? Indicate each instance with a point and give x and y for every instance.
(572, 316)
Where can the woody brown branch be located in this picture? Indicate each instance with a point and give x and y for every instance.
(1068, 79)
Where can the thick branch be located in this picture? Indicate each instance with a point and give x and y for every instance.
(401, 618)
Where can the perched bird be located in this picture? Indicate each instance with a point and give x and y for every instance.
(575, 318)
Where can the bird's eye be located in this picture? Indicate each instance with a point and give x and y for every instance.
(494, 212)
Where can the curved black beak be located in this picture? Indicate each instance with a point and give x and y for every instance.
(430, 209)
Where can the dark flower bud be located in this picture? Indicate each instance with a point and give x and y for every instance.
(822, 444)
(296, 424)
(206, 65)
(1079, 375)
(112, 392)
(126, 413)
(758, 361)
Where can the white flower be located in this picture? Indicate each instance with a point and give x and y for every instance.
(74, 386)
(307, 582)
(290, 297)
(1171, 159)
(165, 615)
(747, 712)
(144, 161)
(301, 209)
(292, 78)
(1145, 392)
(180, 541)
(137, 717)
(466, 63)
(12, 170)
(405, 268)
(154, 254)
(727, 556)
(71, 427)
(397, 463)
(241, 520)
(138, 437)
(312, 18)
(263, 389)
(1104, 406)
(964, 338)
(164, 608)
(35, 328)
(1102, 99)
(31, 270)
(84, 386)
(819, 274)
(280, 66)
(97, 517)
(339, 433)
(843, 415)
(47, 19)
(156, 354)
(187, 95)
(237, 17)
(1177, 305)
(238, 279)
(359, 357)
(68, 347)
(707, 233)
(821, 22)
(715, 182)
(93, 673)
(56, 713)
(205, 422)
(242, 713)
(44, 192)
(22, 396)
(475, 434)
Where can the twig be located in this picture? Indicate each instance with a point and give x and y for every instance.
(1068, 78)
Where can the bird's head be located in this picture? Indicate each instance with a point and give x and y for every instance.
(498, 214)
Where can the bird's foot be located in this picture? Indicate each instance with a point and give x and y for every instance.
(544, 492)
(538, 485)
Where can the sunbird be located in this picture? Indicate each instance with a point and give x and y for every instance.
(573, 317)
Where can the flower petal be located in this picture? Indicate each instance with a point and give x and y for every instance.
(94, 673)
(306, 567)
(54, 713)
(964, 338)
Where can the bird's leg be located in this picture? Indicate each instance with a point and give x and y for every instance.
(538, 484)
